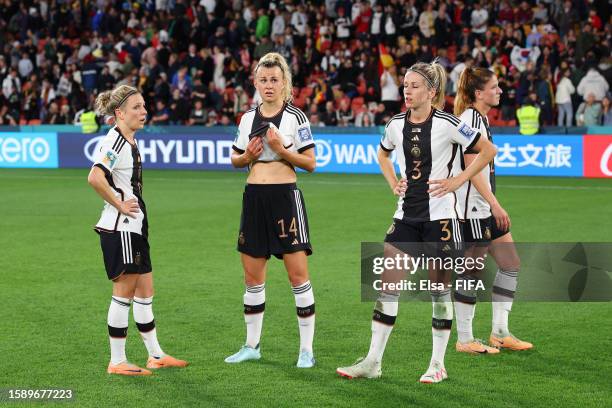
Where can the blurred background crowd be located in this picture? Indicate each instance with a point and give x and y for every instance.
(193, 60)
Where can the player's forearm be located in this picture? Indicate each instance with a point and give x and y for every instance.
(303, 161)
(388, 171)
(99, 183)
(481, 186)
(483, 158)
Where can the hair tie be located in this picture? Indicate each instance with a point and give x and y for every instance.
(431, 85)
(125, 98)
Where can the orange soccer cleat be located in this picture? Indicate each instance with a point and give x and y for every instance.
(165, 362)
(475, 347)
(509, 342)
(126, 368)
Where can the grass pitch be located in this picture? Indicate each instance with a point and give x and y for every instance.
(55, 297)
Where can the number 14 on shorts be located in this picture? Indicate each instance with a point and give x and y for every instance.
(292, 228)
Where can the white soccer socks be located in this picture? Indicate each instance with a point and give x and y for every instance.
(383, 319)
(465, 306)
(305, 305)
(441, 324)
(502, 297)
(118, 316)
(254, 307)
(143, 316)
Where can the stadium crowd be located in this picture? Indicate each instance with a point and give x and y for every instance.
(193, 60)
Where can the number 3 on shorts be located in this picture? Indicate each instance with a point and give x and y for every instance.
(444, 228)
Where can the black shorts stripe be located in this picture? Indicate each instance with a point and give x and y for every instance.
(146, 327)
(441, 324)
(254, 309)
(383, 318)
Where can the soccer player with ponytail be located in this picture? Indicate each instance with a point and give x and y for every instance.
(487, 224)
(426, 141)
(123, 229)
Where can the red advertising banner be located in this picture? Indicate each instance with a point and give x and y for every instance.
(597, 156)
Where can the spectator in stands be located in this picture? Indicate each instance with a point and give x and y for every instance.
(427, 21)
(478, 21)
(344, 114)
(593, 83)
(589, 113)
(198, 115)
(162, 115)
(389, 89)
(565, 89)
(528, 115)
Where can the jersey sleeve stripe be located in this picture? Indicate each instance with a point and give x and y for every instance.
(473, 142)
(117, 142)
(298, 111)
(304, 148)
(299, 120)
(384, 148)
(104, 169)
(236, 149)
(450, 118)
(301, 117)
(398, 116)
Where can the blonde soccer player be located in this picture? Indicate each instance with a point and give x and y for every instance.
(123, 229)
(273, 140)
(426, 141)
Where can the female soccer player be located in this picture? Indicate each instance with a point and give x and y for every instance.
(487, 223)
(272, 140)
(426, 141)
(123, 228)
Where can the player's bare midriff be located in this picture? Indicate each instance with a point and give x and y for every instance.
(276, 172)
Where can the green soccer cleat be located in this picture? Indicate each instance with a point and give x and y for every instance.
(245, 353)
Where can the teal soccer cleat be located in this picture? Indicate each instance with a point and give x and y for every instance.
(245, 353)
(305, 360)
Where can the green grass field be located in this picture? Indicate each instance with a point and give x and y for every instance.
(55, 297)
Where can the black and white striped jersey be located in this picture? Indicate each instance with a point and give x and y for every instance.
(427, 151)
(290, 121)
(122, 166)
(473, 205)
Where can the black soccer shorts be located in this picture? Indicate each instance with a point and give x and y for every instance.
(273, 221)
(125, 252)
(443, 238)
(478, 231)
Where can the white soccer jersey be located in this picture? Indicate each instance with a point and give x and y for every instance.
(292, 123)
(122, 166)
(473, 205)
(427, 151)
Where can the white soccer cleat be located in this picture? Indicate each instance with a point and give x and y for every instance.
(435, 374)
(361, 369)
